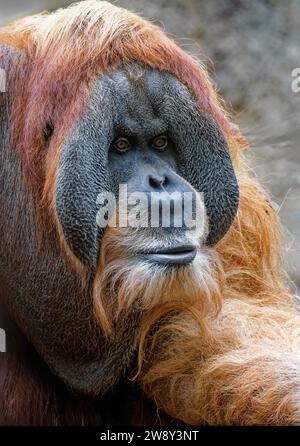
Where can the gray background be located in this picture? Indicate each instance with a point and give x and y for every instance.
(250, 48)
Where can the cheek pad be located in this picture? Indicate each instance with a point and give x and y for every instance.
(211, 172)
(82, 176)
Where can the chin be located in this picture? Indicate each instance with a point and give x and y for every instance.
(146, 275)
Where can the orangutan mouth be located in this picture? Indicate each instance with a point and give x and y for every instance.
(175, 255)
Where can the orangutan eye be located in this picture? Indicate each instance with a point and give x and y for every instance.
(122, 144)
(160, 142)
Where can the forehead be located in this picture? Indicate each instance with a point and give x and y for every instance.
(134, 82)
(142, 95)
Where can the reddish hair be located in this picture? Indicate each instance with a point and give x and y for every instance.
(68, 49)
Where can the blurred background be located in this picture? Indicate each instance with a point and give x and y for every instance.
(250, 49)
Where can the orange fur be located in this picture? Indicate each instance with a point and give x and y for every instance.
(223, 349)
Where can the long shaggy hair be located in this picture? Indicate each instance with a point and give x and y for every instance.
(219, 339)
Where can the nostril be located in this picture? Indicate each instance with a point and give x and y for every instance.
(157, 181)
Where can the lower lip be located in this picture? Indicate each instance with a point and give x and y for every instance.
(175, 258)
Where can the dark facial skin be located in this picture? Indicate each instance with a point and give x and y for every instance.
(40, 289)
